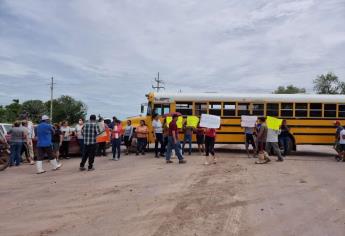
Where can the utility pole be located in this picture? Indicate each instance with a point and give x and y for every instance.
(51, 98)
(159, 84)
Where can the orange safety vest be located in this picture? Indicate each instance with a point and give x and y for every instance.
(104, 137)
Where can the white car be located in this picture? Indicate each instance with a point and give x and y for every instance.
(4, 128)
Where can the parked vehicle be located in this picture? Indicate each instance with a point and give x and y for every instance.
(4, 128)
(4, 152)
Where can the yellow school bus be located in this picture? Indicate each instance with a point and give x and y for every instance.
(309, 116)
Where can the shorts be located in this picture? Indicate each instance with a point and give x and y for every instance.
(250, 140)
(56, 147)
(200, 139)
(127, 141)
(45, 152)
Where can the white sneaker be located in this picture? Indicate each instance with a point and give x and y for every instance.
(206, 163)
(55, 164)
(116, 159)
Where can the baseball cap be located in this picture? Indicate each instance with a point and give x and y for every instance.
(45, 117)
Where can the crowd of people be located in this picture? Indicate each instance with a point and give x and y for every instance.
(53, 141)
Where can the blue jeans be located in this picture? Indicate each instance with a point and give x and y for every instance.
(284, 141)
(116, 147)
(159, 139)
(141, 145)
(81, 145)
(16, 149)
(187, 139)
(176, 146)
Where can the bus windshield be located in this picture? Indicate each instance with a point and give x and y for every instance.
(143, 109)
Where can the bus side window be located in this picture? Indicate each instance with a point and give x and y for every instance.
(272, 109)
(301, 109)
(229, 109)
(330, 110)
(243, 109)
(315, 110)
(258, 109)
(341, 110)
(185, 108)
(215, 108)
(200, 108)
(286, 110)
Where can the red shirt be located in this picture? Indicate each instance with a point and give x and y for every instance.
(173, 127)
(210, 133)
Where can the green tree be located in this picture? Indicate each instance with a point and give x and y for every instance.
(290, 89)
(13, 111)
(35, 109)
(328, 84)
(67, 108)
(3, 114)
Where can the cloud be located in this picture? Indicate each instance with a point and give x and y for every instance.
(107, 53)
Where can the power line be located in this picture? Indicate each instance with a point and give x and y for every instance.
(159, 84)
(51, 97)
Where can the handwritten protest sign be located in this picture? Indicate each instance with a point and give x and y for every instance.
(192, 121)
(210, 121)
(178, 123)
(248, 121)
(273, 123)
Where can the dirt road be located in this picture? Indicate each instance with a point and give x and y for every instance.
(144, 196)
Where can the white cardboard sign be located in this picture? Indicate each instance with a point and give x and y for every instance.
(210, 121)
(248, 121)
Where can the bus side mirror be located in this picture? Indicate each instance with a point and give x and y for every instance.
(142, 109)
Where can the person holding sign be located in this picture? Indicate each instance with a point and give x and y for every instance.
(261, 140)
(210, 138)
(210, 121)
(272, 143)
(173, 142)
(248, 123)
(249, 139)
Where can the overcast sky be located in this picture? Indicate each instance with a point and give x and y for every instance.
(107, 52)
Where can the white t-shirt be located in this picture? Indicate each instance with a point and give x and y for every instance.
(78, 129)
(66, 131)
(342, 140)
(157, 126)
(272, 136)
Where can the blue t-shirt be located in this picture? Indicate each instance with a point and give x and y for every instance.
(44, 134)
